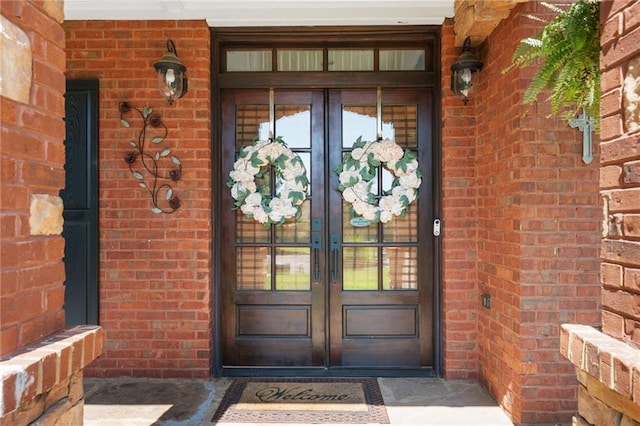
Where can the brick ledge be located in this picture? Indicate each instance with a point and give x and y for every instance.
(612, 362)
(36, 368)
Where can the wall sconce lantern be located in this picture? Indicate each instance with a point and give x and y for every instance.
(172, 80)
(462, 71)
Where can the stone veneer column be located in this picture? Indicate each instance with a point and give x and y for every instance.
(42, 364)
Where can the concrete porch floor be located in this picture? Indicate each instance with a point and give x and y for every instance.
(173, 402)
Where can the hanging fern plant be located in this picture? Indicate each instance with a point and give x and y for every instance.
(569, 46)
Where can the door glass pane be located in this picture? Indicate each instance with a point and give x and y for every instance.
(249, 120)
(250, 230)
(300, 60)
(293, 124)
(360, 268)
(356, 234)
(400, 268)
(350, 60)
(293, 268)
(358, 121)
(401, 124)
(248, 60)
(402, 229)
(387, 178)
(402, 60)
(252, 121)
(253, 268)
(296, 230)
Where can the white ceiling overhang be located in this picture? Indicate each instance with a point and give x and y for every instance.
(233, 13)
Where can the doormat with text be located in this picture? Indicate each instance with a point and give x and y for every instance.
(302, 400)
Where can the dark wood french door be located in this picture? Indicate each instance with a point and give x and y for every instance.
(323, 292)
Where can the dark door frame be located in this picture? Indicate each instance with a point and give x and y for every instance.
(393, 37)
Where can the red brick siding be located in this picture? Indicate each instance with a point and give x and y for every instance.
(620, 177)
(155, 269)
(459, 238)
(538, 222)
(32, 162)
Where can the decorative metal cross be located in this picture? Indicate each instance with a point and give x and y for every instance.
(585, 124)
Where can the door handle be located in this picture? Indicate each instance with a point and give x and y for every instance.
(316, 246)
(335, 251)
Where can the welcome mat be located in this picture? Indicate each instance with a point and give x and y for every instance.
(313, 400)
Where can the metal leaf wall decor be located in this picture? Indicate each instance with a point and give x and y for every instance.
(151, 169)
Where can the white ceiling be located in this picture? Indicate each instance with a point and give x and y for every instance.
(228, 13)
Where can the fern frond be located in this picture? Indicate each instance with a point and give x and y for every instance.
(534, 18)
(533, 42)
(551, 7)
(569, 49)
(527, 51)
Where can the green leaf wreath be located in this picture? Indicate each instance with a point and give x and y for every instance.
(358, 171)
(255, 200)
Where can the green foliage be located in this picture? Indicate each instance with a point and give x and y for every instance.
(569, 46)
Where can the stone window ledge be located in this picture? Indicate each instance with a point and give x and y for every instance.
(615, 364)
(37, 368)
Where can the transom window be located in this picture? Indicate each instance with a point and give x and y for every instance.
(325, 59)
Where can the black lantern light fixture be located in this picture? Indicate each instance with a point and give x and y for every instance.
(462, 72)
(172, 80)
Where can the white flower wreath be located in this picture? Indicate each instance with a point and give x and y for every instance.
(358, 170)
(254, 200)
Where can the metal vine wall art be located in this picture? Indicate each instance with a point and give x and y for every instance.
(147, 168)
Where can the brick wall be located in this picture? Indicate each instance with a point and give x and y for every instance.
(620, 172)
(459, 247)
(155, 271)
(608, 362)
(499, 162)
(42, 382)
(32, 163)
(537, 211)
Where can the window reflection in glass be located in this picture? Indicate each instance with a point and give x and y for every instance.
(296, 230)
(400, 268)
(360, 268)
(253, 268)
(402, 229)
(356, 234)
(250, 120)
(293, 124)
(358, 121)
(249, 230)
(401, 124)
(293, 268)
(362, 121)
